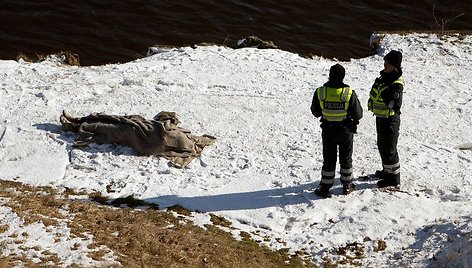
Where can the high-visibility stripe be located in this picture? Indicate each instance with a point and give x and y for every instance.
(335, 112)
(345, 179)
(328, 173)
(346, 170)
(392, 166)
(392, 169)
(321, 93)
(327, 180)
(346, 92)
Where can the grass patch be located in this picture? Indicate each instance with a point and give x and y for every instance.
(349, 255)
(139, 238)
(218, 220)
(180, 210)
(381, 246)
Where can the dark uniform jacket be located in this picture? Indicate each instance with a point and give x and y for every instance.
(354, 112)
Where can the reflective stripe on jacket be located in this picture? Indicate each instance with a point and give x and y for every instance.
(334, 102)
(376, 103)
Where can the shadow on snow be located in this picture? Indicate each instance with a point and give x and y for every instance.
(238, 201)
(69, 137)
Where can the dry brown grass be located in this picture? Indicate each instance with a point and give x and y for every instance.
(141, 238)
(3, 228)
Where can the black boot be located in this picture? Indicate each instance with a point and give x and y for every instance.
(323, 191)
(389, 180)
(348, 188)
(380, 174)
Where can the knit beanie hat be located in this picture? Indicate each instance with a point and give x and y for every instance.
(394, 58)
(336, 73)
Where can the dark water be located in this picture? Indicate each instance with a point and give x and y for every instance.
(108, 31)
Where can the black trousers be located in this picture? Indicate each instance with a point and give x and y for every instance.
(335, 137)
(387, 139)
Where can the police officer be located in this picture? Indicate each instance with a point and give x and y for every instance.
(340, 111)
(385, 100)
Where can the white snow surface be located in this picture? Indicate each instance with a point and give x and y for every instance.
(266, 162)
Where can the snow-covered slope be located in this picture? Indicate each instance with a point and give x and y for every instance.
(267, 159)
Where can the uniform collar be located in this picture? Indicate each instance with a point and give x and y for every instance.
(335, 84)
(391, 77)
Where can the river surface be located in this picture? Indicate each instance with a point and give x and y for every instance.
(110, 31)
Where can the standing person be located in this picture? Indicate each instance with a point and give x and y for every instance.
(385, 100)
(340, 111)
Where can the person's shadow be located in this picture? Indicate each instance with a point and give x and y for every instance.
(242, 200)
